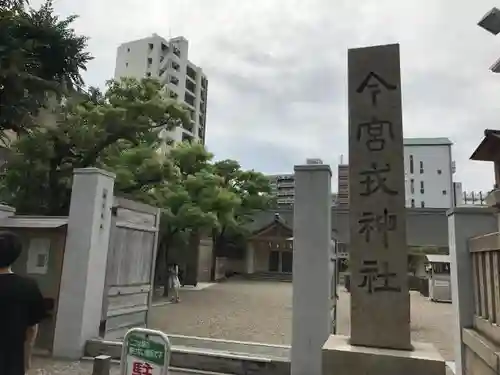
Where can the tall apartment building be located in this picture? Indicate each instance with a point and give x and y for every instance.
(343, 185)
(283, 187)
(167, 60)
(429, 170)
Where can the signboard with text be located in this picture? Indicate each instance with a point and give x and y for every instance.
(145, 352)
(380, 308)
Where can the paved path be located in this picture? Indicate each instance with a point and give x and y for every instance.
(261, 311)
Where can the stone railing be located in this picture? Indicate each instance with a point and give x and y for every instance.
(485, 253)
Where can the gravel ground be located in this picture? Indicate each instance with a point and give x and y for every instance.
(261, 311)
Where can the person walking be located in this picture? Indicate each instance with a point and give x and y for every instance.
(22, 307)
(175, 282)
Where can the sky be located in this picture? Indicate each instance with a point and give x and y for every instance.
(277, 70)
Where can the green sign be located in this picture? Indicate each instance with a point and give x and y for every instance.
(146, 349)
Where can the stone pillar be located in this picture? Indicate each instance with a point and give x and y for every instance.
(464, 223)
(380, 342)
(84, 267)
(380, 300)
(250, 258)
(311, 320)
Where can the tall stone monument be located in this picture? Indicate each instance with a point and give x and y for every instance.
(377, 220)
(380, 340)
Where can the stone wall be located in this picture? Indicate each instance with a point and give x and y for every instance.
(481, 356)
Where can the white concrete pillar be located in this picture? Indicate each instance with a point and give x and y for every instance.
(84, 267)
(6, 211)
(311, 320)
(464, 223)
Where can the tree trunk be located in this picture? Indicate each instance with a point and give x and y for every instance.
(214, 255)
(162, 260)
(192, 260)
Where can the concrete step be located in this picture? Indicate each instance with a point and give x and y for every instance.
(221, 359)
(269, 276)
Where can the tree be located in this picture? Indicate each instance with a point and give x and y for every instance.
(251, 191)
(117, 131)
(40, 59)
(186, 202)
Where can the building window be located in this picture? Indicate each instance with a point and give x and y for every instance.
(411, 163)
(128, 49)
(413, 203)
(126, 64)
(150, 61)
(445, 192)
(412, 186)
(150, 45)
(422, 204)
(148, 74)
(422, 187)
(421, 167)
(439, 171)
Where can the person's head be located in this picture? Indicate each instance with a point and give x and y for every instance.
(10, 249)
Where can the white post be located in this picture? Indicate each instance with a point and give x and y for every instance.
(311, 320)
(84, 267)
(464, 223)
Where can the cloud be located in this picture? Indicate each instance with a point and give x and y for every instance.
(277, 69)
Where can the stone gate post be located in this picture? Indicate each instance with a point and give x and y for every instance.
(84, 267)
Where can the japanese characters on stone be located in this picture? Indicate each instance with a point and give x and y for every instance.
(375, 135)
(377, 278)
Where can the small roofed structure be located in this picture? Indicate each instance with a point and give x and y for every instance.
(489, 150)
(439, 277)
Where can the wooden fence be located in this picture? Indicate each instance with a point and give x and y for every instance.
(130, 267)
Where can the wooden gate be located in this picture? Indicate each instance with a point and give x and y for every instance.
(130, 267)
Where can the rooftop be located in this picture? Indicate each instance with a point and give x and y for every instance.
(489, 148)
(440, 141)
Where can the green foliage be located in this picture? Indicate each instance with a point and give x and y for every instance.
(40, 58)
(117, 131)
(247, 192)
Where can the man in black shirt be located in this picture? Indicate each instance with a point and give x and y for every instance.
(21, 309)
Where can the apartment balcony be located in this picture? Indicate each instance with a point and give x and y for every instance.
(189, 126)
(173, 94)
(190, 86)
(189, 99)
(176, 51)
(174, 80)
(187, 137)
(191, 73)
(175, 65)
(286, 184)
(204, 83)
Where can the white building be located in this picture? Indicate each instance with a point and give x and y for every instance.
(167, 60)
(429, 172)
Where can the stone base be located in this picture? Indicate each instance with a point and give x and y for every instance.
(341, 358)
